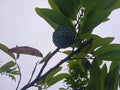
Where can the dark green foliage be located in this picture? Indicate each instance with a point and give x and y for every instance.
(68, 8)
(54, 18)
(112, 78)
(108, 52)
(64, 37)
(96, 12)
(78, 75)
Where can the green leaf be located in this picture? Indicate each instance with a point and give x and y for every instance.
(98, 41)
(109, 52)
(93, 19)
(15, 73)
(97, 12)
(108, 4)
(13, 77)
(53, 5)
(57, 78)
(94, 77)
(99, 5)
(5, 49)
(49, 76)
(7, 66)
(68, 8)
(76, 66)
(103, 76)
(85, 3)
(117, 5)
(112, 77)
(114, 65)
(54, 18)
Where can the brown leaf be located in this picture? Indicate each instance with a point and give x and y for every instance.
(26, 50)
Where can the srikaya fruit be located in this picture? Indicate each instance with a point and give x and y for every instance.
(64, 36)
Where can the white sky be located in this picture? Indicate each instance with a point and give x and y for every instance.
(20, 25)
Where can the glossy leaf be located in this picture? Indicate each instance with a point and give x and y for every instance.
(85, 50)
(97, 12)
(108, 52)
(114, 65)
(98, 41)
(7, 66)
(112, 77)
(49, 76)
(53, 5)
(57, 78)
(103, 76)
(26, 50)
(5, 49)
(108, 4)
(93, 19)
(100, 4)
(54, 18)
(67, 8)
(117, 5)
(94, 77)
(85, 3)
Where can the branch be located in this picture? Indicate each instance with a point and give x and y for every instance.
(20, 75)
(33, 72)
(43, 67)
(60, 63)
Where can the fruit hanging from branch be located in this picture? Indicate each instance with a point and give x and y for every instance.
(64, 36)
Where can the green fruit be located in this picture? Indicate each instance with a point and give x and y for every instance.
(64, 37)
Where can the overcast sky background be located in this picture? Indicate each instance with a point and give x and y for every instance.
(20, 25)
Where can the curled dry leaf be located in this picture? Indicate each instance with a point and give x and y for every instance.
(26, 50)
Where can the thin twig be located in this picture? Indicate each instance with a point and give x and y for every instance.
(60, 63)
(20, 75)
(33, 72)
(43, 67)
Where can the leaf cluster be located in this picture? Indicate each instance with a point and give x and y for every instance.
(9, 68)
(84, 16)
(86, 69)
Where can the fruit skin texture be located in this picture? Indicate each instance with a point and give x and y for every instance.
(64, 36)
